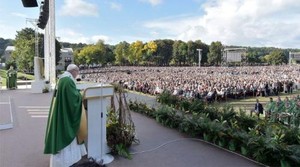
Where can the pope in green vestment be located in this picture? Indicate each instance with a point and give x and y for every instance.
(64, 115)
(11, 79)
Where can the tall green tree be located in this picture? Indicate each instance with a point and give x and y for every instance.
(92, 54)
(109, 54)
(180, 49)
(136, 51)
(192, 54)
(164, 52)
(183, 49)
(149, 50)
(57, 51)
(101, 58)
(121, 53)
(24, 49)
(78, 59)
(276, 57)
(252, 57)
(215, 53)
(95, 54)
(204, 51)
(88, 54)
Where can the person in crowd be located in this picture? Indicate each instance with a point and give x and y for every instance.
(290, 86)
(64, 120)
(278, 109)
(258, 108)
(237, 82)
(269, 108)
(210, 97)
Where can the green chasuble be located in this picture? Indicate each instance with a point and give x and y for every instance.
(279, 107)
(291, 107)
(270, 106)
(64, 116)
(11, 79)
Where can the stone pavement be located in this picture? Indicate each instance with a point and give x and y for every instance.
(22, 146)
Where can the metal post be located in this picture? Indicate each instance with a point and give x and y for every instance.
(46, 53)
(290, 58)
(52, 42)
(37, 74)
(200, 56)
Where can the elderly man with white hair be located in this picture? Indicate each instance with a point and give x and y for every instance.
(64, 122)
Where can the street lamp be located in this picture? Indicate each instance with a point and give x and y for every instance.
(47, 13)
(199, 50)
(37, 72)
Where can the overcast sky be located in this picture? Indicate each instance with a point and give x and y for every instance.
(258, 23)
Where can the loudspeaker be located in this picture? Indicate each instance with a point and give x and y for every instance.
(29, 3)
(44, 14)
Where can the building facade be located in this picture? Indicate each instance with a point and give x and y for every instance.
(8, 52)
(66, 58)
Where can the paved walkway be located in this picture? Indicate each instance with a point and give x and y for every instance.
(22, 146)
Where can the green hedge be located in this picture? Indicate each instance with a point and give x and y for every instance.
(21, 76)
(270, 143)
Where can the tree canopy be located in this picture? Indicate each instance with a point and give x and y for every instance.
(215, 53)
(25, 49)
(276, 57)
(161, 52)
(121, 53)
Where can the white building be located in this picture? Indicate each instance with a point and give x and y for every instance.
(8, 52)
(231, 55)
(66, 58)
(294, 57)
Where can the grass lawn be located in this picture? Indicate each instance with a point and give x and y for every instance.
(20, 75)
(263, 100)
(3, 77)
(248, 103)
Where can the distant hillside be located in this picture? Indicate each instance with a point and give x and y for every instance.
(3, 44)
(74, 46)
(9, 42)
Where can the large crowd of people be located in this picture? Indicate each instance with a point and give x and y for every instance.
(212, 83)
(208, 83)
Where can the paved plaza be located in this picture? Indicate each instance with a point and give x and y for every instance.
(22, 145)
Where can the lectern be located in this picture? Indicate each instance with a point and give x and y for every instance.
(97, 96)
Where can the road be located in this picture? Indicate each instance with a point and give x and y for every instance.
(22, 146)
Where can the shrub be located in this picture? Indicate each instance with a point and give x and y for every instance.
(168, 117)
(119, 139)
(270, 143)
